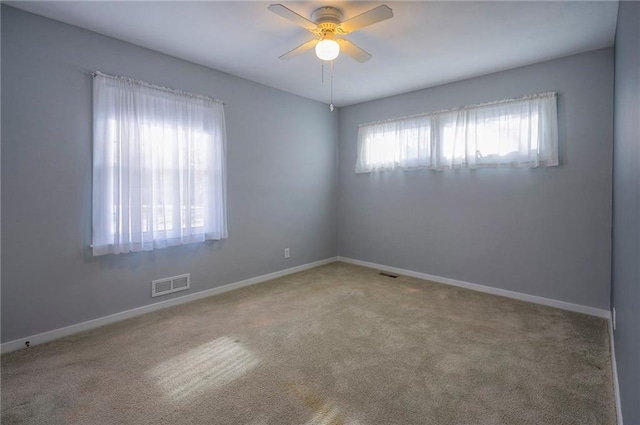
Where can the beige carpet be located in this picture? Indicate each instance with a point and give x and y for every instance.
(338, 344)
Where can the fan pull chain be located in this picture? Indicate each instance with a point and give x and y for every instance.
(322, 71)
(331, 104)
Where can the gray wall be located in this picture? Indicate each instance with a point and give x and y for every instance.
(281, 179)
(626, 208)
(544, 232)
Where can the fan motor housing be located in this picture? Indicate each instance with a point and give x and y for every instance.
(327, 14)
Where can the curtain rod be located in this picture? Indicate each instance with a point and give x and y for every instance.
(156, 87)
(460, 108)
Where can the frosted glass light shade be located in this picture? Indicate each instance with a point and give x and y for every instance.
(327, 50)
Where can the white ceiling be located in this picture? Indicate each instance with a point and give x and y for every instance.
(425, 44)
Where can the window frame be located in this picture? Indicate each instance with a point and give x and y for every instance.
(158, 147)
(421, 141)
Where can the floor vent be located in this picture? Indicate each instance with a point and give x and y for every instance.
(388, 275)
(170, 284)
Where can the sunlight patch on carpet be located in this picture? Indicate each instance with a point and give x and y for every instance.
(325, 412)
(327, 416)
(330, 415)
(204, 368)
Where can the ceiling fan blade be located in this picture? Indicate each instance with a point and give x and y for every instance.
(300, 49)
(365, 19)
(289, 14)
(350, 49)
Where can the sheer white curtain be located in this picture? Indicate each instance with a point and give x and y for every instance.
(158, 167)
(509, 133)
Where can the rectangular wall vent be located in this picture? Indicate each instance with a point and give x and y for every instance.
(170, 284)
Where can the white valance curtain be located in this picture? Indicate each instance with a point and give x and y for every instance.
(158, 167)
(509, 133)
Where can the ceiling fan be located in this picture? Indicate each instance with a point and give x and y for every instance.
(327, 24)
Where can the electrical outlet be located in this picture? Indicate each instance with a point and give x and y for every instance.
(614, 318)
(287, 253)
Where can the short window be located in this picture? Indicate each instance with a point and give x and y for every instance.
(510, 133)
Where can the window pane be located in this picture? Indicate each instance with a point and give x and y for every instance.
(520, 132)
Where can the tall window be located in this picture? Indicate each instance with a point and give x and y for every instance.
(509, 133)
(158, 167)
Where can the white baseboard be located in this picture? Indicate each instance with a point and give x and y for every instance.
(614, 370)
(117, 317)
(592, 311)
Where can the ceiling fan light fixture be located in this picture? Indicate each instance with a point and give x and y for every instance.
(327, 49)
